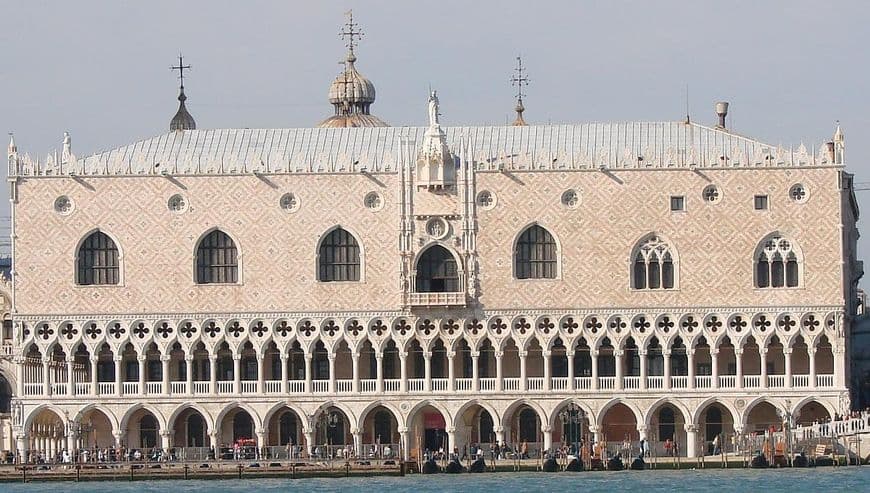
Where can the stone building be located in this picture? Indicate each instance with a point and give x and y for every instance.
(358, 284)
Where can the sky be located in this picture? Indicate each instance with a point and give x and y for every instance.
(100, 69)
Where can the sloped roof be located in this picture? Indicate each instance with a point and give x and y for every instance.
(379, 149)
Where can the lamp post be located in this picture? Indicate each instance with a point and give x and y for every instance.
(787, 417)
(80, 428)
(328, 420)
(573, 418)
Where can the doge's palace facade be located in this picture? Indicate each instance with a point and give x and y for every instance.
(357, 283)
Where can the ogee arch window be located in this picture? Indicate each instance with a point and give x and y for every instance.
(217, 259)
(97, 261)
(338, 258)
(535, 255)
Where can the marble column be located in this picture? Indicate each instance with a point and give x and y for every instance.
(524, 384)
(499, 371)
(593, 355)
(570, 356)
(620, 367)
(237, 373)
(642, 355)
(547, 357)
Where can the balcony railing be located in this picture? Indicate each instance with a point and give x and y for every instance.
(776, 381)
(727, 381)
(824, 380)
(632, 383)
(800, 381)
(559, 383)
(436, 299)
(487, 384)
(416, 384)
(249, 386)
(344, 386)
(106, 388)
(272, 386)
(392, 384)
(154, 387)
(82, 388)
(33, 389)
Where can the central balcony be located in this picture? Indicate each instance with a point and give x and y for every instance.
(436, 299)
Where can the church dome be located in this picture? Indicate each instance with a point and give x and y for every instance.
(351, 94)
(182, 120)
(351, 86)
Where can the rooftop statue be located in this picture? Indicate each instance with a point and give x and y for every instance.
(433, 109)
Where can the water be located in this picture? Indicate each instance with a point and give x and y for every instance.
(854, 479)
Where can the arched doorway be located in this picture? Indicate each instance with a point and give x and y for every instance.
(762, 417)
(570, 426)
(46, 436)
(332, 428)
(380, 433)
(811, 412)
(148, 429)
(714, 421)
(667, 423)
(286, 430)
(523, 429)
(617, 424)
(143, 430)
(430, 430)
(437, 271)
(95, 430)
(475, 428)
(191, 429)
(243, 426)
(5, 395)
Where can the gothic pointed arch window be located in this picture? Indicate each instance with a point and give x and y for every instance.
(97, 261)
(777, 263)
(217, 259)
(654, 265)
(338, 257)
(535, 254)
(437, 271)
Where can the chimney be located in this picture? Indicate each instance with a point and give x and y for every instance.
(829, 146)
(722, 111)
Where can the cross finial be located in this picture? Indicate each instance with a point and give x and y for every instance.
(181, 67)
(519, 79)
(351, 32)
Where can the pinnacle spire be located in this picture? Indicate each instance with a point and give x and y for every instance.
(519, 80)
(13, 149)
(182, 119)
